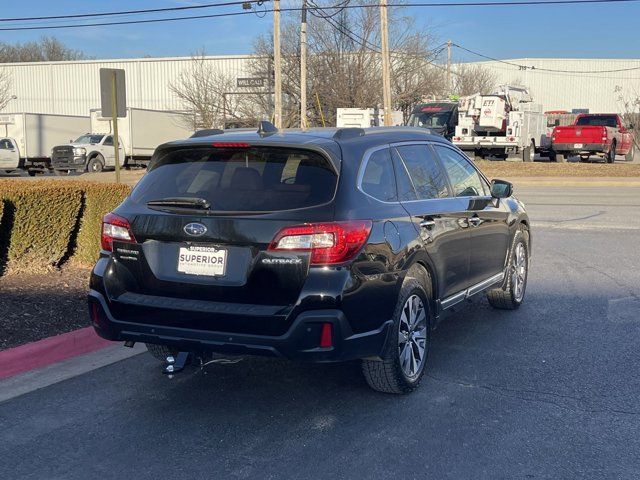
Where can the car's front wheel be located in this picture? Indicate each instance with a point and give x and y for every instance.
(511, 295)
(407, 347)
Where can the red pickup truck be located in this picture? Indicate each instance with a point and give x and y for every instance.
(602, 134)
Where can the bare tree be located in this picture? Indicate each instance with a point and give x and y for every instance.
(629, 102)
(45, 49)
(6, 86)
(209, 93)
(470, 79)
(344, 65)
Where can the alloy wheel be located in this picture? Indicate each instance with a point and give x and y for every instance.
(412, 336)
(519, 272)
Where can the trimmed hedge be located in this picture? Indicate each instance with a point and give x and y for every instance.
(99, 200)
(46, 222)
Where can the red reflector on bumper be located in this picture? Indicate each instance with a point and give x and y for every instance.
(326, 336)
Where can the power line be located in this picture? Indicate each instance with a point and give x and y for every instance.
(543, 69)
(294, 9)
(129, 12)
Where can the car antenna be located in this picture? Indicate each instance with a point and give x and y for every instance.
(266, 128)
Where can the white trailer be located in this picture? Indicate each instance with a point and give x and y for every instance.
(140, 133)
(26, 139)
(505, 123)
(365, 117)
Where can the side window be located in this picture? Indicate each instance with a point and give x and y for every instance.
(108, 141)
(5, 145)
(406, 192)
(378, 179)
(427, 176)
(465, 179)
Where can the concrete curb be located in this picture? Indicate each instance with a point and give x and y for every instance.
(49, 350)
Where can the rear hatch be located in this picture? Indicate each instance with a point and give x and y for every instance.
(203, 220)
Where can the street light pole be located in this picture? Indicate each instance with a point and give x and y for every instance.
(277, 61)
(449, 88)
(386, 69)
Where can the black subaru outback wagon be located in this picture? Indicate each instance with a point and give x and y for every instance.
(321, 245)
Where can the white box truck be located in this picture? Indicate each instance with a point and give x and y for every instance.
(365, 117)
(26, 139)
(140, 132)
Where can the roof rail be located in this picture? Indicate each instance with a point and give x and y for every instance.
(348, 132)
(207, 132)
(266, 128)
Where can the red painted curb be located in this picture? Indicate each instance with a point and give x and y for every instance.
(49, 350)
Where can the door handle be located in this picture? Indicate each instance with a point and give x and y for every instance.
(428, 224)
(474, 221)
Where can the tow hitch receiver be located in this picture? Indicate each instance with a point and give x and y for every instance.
(175, 363)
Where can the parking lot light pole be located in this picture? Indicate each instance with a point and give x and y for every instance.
(277, 63)
(303, 67)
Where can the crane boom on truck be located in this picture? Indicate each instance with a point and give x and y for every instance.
(505, 123)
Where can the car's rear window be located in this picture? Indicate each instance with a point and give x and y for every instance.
(254, 179)
(599, 121)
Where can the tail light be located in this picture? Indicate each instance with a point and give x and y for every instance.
(115, 228)
(231, 145)
(329, 243)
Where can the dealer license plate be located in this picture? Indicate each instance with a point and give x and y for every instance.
(208, 261)
(578, 145)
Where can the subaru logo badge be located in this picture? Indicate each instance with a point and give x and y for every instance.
(195, 229)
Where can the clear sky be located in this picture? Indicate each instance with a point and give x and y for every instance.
(595, 31)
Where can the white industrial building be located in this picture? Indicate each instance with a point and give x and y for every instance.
(556, 90)
(72, 88)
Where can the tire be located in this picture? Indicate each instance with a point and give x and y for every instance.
(96, 164)
(631, 153)
(160, 352)
(396, 373)
(511, 295)
(529, 153)
(560, 158)
(611, 154)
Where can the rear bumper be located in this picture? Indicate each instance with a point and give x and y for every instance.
(300, 342)
(586, 147)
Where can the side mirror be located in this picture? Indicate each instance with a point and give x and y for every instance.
(501, 189)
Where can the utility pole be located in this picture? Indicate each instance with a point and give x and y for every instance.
(386, 71)
(114, 120)
(277, 61)
(303, 67)
(449, 86)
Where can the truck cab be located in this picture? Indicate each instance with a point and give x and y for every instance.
(9, 155)
(439, 117)
(91, 152)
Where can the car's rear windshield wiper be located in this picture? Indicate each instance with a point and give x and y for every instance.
(181, 202)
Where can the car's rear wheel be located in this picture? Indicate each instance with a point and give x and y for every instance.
(511, 295)
(407, 348)
(161, 352)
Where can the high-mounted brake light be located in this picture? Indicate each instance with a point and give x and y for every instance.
(115, 228)
(329, 243)
(231, 145)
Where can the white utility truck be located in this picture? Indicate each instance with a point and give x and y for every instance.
(140, 132)
(365, 117)
(504, 124)
(26, 139)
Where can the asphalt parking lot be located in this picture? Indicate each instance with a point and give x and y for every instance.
(548, 391)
